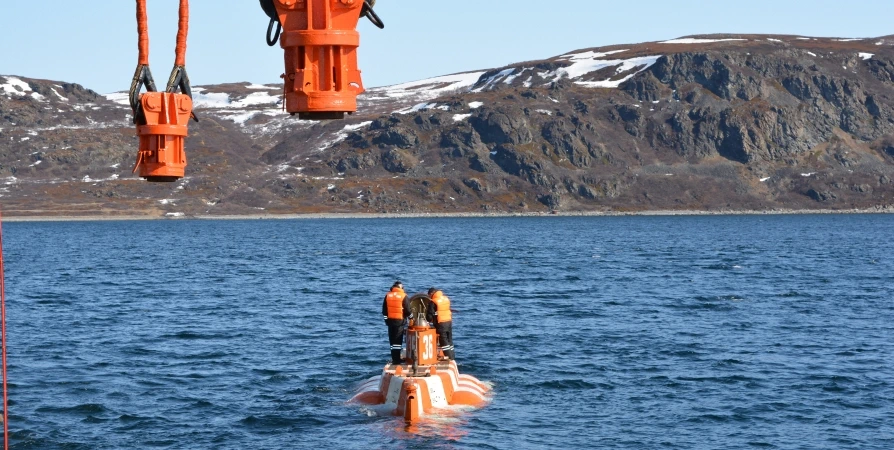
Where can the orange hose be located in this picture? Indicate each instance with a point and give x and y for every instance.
(143, 30)
(182, 31)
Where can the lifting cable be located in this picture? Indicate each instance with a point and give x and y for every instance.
(3, 342)
(273, 36)
(143, 76)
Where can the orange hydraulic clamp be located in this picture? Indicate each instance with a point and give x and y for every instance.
(161, 117)
(162, 156)
(320, 40)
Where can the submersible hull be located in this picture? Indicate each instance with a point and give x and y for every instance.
(413, 394)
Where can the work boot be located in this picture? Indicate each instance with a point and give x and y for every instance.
(451, 354)
(395, 357)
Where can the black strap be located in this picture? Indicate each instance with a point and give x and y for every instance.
(141, 77)
(271, 41)
(270, 9)
(179, 79)
(370, 14)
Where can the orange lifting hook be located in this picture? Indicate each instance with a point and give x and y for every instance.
(320, 40)
(161, 117)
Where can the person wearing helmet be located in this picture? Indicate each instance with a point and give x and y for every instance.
(395, 309)
(443, 321)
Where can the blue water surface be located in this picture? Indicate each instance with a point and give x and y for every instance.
(596, 332)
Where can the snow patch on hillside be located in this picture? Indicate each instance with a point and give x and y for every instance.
(121, 98)
(241, 118)
(14, 86)
(502, 75)
(61, 98)
(512, 77)
(588, 62)
(210, 100)
(222, 100)
(416, 108)
(645, 62)
(117, 123)
(343, 134)
(866, 56)
(427, 89)
(257, 98)
(238, 110)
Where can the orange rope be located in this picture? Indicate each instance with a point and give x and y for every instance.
(182, 31)
(143, 30)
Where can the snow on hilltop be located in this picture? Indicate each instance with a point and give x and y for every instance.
(597, 68)
(429, 87)
(583, 68)
(14, 86)
(236, 102)
(587, 62)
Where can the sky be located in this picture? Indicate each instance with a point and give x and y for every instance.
(94, 42)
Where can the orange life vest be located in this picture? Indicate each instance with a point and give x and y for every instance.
(395, 302)
(443, 304)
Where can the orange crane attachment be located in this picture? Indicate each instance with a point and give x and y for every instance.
(161, 117)
(320, 40)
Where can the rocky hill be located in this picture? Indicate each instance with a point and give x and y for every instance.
(709, 123)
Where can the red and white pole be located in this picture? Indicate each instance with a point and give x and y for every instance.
(3, 340)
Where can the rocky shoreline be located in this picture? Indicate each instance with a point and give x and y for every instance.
(331, 216)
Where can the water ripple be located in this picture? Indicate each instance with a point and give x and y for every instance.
(616, 332)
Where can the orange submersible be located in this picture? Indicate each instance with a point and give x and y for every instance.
(426, 381)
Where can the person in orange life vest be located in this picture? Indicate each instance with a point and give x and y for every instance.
(443, 321)
(395, 308)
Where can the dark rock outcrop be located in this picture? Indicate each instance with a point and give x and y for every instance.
(397, 136)
(398, 160)
(502, 126)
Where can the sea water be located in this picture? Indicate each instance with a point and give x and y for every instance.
(595, 332)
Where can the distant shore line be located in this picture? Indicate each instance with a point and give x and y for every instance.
(318, 216)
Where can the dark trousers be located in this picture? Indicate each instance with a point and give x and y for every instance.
(445, 339)
(396, 339)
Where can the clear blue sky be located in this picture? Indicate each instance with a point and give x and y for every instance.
(93, 42)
